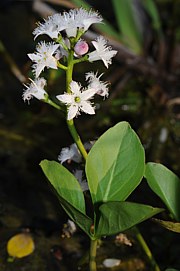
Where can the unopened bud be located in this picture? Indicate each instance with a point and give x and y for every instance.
(81, 48)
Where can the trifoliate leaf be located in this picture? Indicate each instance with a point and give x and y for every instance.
(20, 245)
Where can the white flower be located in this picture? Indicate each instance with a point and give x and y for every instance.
(71, 153)
(94, 82)
(79, 19)
(102, 52)
(77, 100)
(70, 21)
(87, 18)
(35, 89)
(49, 27)
(83, 183)
(44, 57)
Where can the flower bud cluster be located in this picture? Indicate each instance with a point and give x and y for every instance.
(66, 30)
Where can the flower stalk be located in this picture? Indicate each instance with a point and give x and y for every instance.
(53, 104)
(92, 255)
(146, 249)
(76, 138)
(70, 123)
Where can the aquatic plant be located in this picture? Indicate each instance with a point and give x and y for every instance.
(115, 163)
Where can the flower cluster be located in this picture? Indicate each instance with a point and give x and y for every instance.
(66, 49)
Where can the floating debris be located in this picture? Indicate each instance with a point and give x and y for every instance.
(69, 229)
(123, 239)
(109, 263)
(20, 245)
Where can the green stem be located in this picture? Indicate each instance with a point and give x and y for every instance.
(82, 59)
(61, 66)
(48, 101)
(92, 255)
(70, 123)
(76, 138)
(146, 249)
(69, 71)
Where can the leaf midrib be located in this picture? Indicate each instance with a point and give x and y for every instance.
(113, 167)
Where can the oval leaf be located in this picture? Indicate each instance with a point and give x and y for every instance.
(117, 217)
(64, 183)
(69, 193)
(20, 245)
(115, 164)
(166, 185)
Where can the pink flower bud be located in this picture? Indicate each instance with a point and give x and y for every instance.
(81, 47)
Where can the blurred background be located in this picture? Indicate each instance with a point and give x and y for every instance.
(144, 91)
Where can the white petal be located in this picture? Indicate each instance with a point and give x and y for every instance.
(95, 45)
(87, 94)
(76, 154)
(65, 98)
(105, 62)
(93, 56)
(72, 111)
(71, 153)
(39, 94)
(51, 63)
(51, 48)
(75, 87)
(84, 185)
(107, 57)
(34, 57)
(87, 108)
(35, 89)
(71, 31)
(66, 154)
(88, 22)
(38, 68)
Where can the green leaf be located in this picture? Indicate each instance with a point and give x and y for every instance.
(115, 164)
(151, 8)
(127, 21)
(119, 216)
(166, 185)
(81, 219)
(64, 183)
(69, 193)
(172, 226)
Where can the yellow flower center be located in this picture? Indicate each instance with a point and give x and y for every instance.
(77, 99)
